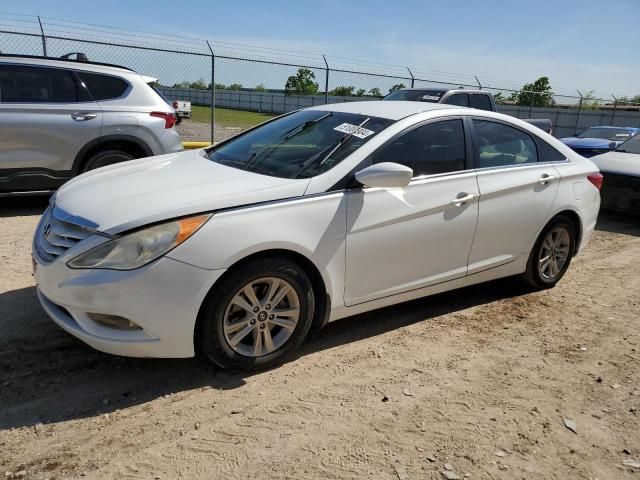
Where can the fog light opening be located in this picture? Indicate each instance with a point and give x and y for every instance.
(113, 321)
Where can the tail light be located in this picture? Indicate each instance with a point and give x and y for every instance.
(596, 179)
(175, 105)
(169, 118)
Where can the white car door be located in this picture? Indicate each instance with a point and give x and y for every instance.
(406, 238)
(517, 190)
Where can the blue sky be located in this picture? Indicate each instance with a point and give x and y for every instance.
(584, 44)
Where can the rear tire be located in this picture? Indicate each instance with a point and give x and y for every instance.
(552, 253)
(257, 315)
(106, 157)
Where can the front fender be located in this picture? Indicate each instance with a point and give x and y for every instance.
(313, 226)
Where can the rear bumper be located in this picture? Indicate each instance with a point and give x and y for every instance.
(621, 193)
(170, 142)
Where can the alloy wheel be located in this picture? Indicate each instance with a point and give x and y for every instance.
(554, 253)
(261, 316)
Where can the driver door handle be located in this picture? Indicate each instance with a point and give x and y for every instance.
(459, 201)
(83, 116)
(546, 178)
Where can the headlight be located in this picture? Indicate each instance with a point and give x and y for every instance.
(138, 248)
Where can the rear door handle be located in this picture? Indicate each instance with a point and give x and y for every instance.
(459, 201)
(546, 178)
(83, 116)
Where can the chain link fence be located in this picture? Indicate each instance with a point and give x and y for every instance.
(233, 87)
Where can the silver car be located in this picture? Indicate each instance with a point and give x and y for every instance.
(63, 117)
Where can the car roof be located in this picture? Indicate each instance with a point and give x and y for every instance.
(63, 62)
(392, 110)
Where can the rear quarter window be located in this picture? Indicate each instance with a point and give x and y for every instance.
(479, 101)
(103, 87)
(549, 153)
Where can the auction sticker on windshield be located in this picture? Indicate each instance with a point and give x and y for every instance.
(354, 130)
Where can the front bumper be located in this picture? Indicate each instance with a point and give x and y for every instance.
(162, 298)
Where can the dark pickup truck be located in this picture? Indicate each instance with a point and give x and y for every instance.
(462, 97)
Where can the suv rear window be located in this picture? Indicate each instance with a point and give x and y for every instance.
(27, 84)
(480, 101)
(103, 87)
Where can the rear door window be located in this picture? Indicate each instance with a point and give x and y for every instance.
(499, 145)
(103, 87)
(28, 84)
(480, 101)
(460, 99)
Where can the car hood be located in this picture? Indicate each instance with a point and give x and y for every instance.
(139, 192)
(618, 162)
(590, 143)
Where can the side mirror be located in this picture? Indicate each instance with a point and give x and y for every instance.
(613, 145)
(385, 175)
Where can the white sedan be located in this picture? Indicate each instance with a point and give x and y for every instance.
(239, 250)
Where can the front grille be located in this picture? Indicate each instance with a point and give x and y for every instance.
(55, 236)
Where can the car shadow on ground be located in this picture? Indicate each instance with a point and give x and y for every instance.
(48, 376)
(20, 206)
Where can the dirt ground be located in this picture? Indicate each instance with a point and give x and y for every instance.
(479, 380)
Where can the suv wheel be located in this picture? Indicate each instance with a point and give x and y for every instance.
(106, 157)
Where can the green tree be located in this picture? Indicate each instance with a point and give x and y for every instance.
(360, 92)
(234, 86)
(397, 86)
(198, 85)
(536, 94)
(375, 92)
(260, 88)
(499, 98)
(302, 83)
(589, 101)
(342, 91)
(626, 99)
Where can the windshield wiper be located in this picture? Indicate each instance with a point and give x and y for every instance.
(300, 128)
(322, 155)
(290, 133)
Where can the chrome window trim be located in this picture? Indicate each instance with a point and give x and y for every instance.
(521, 165)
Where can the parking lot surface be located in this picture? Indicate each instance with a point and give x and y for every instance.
(483, 380)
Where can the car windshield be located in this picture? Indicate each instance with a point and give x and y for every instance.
(630, 146)
(613, 134)
(299, 145)
(432, 96)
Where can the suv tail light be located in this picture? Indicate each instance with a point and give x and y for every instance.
(596, 179)
(175, 105)
(169, 118)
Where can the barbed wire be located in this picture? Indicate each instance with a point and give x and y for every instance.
(13, 22)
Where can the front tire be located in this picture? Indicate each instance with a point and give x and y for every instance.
(106, 157)
(552, 253)
(257, 315)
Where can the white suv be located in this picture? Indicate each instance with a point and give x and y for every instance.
(63, 117)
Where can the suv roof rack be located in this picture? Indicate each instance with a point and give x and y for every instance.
(80, 58)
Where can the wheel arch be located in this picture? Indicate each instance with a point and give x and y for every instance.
(127, 143)
(321, 294)
(575, 219)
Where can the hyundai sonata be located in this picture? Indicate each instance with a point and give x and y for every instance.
(239, 250)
